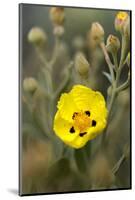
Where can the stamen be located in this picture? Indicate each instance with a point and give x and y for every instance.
(87, 113)
(82, 121)
(82, 134)
(94, 123)
(75, 113)
(72, 130)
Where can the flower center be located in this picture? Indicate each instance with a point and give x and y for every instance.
(82, 121)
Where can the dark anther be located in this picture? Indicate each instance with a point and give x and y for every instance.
(75, 113)
(82, 134)
(87, 113)
(94, 123)
(72, 130)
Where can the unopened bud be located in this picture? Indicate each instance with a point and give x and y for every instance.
(113, 44)
(58, 31)
(37, 36)
(57, 15)
(30, 84)
(81, 64)
(78, 43)
(96, 34)
(121, 21)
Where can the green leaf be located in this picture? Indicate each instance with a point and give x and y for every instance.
(108, 76)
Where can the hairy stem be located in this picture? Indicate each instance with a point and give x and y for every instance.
(108, 61)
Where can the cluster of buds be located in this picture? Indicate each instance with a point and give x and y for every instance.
(37, 36)
(82, 65)
(122, 23)
(57, 16)
(96, 34)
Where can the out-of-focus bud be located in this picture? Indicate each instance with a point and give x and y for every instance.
(30, 84)
(37, 36)
(58, 31)
(57, 15)
(81, 64)
(121, 21)
(113, 44)
(96, 34)
(79, 43)
(128, 59)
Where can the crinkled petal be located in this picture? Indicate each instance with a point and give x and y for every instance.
(67, 107)
(62, 129)
(87, 99)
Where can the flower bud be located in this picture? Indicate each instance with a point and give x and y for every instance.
(30, 84)
(78, 43)
(37, 36)
(113, 44)
(96, 34)
(81, 64)
(121, 20)
(57, 15)
(58, 31)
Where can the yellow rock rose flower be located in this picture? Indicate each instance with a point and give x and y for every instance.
(81, 116)
(121, 20)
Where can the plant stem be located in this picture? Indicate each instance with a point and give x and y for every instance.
(115, 59)
(110, 106)
(118, 164)
(108, 61)
(124, 156)
(64, 81)
(42, 57)
(55, 53)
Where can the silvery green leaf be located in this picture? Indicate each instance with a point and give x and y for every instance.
(108, 76)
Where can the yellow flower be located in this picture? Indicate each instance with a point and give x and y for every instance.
(121, 21)
(81, 116)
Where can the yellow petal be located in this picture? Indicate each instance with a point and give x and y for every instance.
(62, 129)
(87, 99)
(66, 106)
